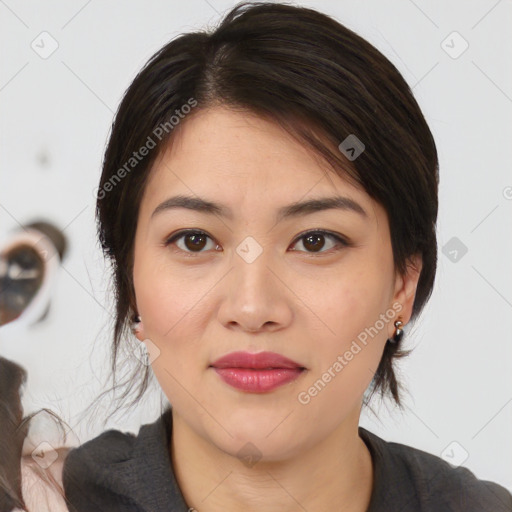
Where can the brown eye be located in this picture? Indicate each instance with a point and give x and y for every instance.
(195, 242)
(314, 241)
(190, 241)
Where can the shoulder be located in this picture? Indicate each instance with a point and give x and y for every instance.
(441, 484)
(108, 447)
(50, 480)
(92, 471)
(122, 471)
(430, 482)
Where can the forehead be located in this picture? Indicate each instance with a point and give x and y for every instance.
(241, 159)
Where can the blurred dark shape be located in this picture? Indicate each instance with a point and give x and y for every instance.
(25, 265)
(21, 276)
(54, 234)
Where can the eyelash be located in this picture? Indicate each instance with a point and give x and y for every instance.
(342, 242)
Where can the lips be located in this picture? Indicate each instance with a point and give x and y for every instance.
(256, 373)
(259, 361)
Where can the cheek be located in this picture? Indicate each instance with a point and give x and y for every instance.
(353, 299)
(351, 310)
(168, 299)
(170, 306)
(348, 348)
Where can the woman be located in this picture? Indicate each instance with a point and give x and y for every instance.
(268, 202)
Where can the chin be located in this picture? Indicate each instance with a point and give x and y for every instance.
(257, 437)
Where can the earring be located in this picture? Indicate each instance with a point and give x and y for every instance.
(135, 324)
(399, 332)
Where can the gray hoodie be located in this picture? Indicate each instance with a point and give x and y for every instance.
(121, 472)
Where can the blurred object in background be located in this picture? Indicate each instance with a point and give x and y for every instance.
(31, 449)
(29, 260)
(47, 443)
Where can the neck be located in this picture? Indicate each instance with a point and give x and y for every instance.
(334, 474)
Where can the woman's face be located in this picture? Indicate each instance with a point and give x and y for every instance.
(252, 282)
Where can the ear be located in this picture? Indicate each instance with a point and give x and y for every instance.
(139, 331)
(138, 328)
(405, 287)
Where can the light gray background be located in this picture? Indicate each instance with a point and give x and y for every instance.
(55, 115)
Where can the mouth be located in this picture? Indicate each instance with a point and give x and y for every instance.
(257, 373)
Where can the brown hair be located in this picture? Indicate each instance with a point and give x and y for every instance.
(12, 378)
(19, 473)
(318, 80)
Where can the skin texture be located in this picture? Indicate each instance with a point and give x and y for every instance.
(307, 304)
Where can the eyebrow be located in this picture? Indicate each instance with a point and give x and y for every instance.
(292, 210)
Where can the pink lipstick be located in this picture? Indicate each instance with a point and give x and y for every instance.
(256, 373)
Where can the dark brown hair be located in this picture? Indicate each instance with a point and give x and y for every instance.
(321, 82)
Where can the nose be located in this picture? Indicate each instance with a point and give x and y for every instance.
(255, 295)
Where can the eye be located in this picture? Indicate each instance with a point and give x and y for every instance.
(314, 241)
(195, 240)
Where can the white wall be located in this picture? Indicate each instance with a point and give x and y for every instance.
(55, 115)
